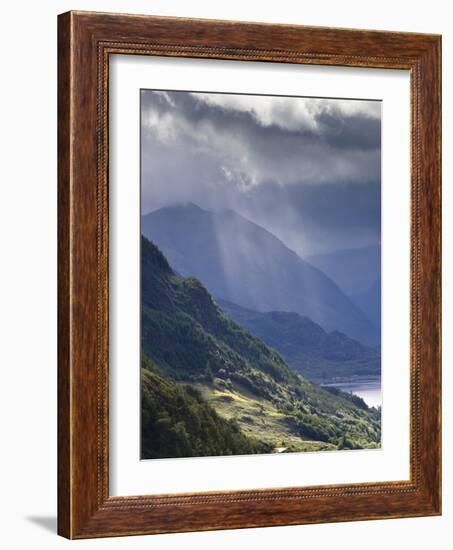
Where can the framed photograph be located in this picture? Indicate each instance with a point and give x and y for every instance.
(249, 275)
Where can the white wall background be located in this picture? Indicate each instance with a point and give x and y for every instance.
(28, 271)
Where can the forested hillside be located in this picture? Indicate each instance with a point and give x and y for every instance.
(177, 422)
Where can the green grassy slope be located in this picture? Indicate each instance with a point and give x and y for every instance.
(178, 422)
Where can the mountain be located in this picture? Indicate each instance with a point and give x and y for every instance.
(369, 301)
(189, 341)
(354, 270)
(241, 262)
(306, 346)
(188, 337)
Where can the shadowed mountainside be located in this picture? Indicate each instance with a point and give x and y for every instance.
(307, 347)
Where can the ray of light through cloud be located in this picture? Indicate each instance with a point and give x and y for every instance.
(306, 169)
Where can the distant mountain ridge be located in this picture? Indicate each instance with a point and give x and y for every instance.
(243, 263)
(354, 270)
(307, 347)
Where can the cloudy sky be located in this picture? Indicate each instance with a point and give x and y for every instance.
(306, 169)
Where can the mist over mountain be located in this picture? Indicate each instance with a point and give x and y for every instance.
(355, 270)
(241, 262)
(369, 301)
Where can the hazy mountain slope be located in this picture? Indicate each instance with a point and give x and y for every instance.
(191, 341)
(354, 270)
(241, 262)
(369, 301)
(306, 346)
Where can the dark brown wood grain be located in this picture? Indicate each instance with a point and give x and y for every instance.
(64, 370)
(86, 40)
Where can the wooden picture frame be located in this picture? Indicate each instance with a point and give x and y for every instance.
(85, 42)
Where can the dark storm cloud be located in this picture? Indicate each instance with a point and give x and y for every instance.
(357, 132)
(306, 169)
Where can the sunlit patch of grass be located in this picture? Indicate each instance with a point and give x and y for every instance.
(259, 419)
